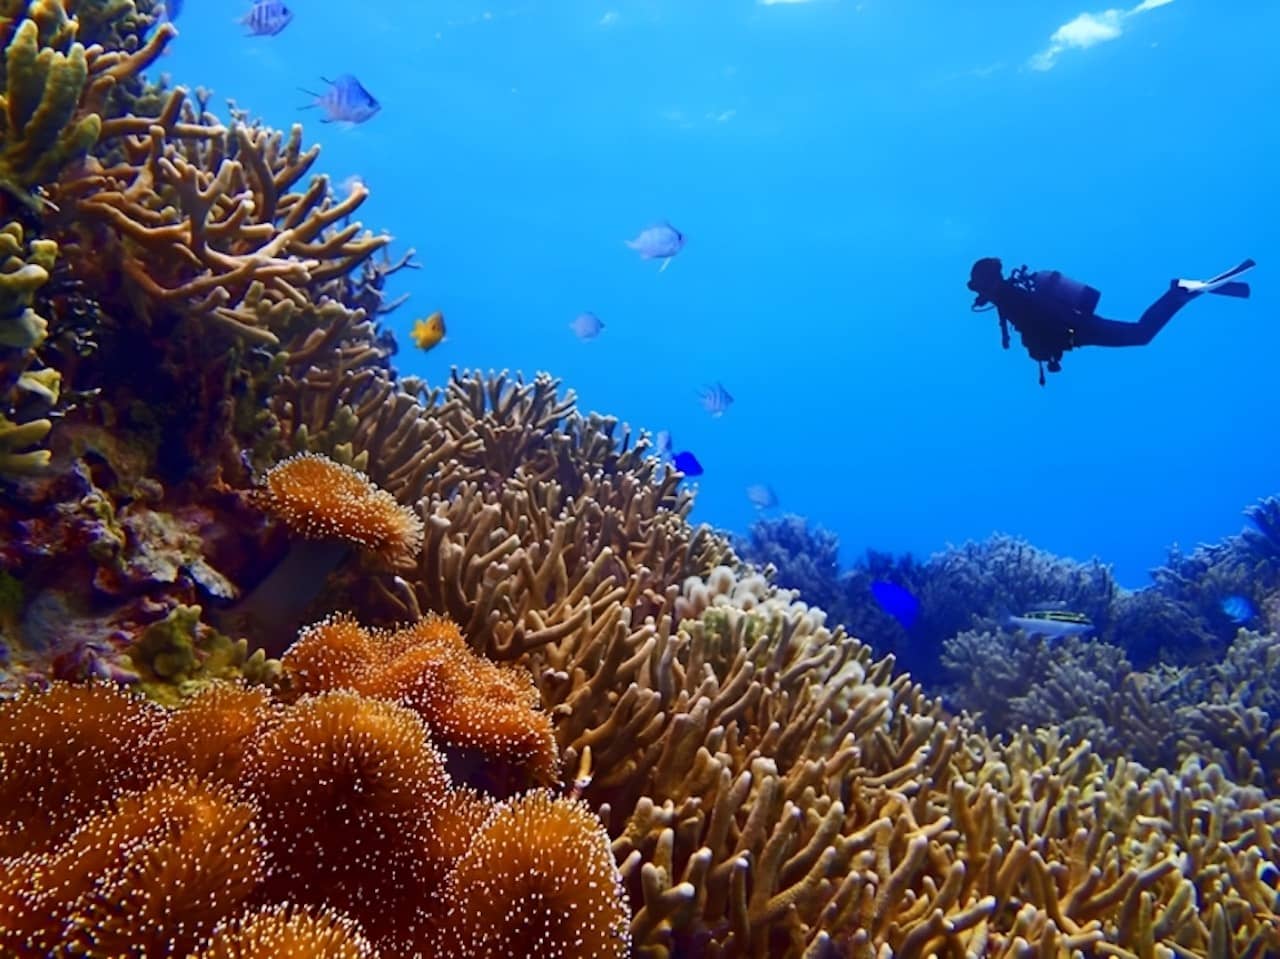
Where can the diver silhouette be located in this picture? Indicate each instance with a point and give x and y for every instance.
(1053, 313)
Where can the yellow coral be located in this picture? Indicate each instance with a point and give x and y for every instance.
(37, 113)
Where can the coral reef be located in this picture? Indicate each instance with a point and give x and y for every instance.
(750, 781)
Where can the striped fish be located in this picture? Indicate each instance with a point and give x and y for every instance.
(715, 399)
(346, 101)
(266, 18)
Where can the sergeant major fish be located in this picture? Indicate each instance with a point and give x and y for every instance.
(346, 101)
(266, 18)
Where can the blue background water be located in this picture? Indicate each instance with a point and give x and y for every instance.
(836, 167)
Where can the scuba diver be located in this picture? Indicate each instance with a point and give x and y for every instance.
(1053, 313)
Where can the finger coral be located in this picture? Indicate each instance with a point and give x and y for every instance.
(538, 880)
(240, 249)
(43, 88)
(26, 394)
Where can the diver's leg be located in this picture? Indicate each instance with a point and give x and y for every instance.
(1099, 331)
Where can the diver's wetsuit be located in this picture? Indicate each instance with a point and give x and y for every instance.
(1048, 328)
(1054, 324)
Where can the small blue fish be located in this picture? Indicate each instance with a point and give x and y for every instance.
(898, 601)
(586, 326)
(762, 497)
(266, 18)
(346, 101)
(661, 241)
(662, 446)
(1238, 608)
(715, 399)
(169, 10)
(687, 464)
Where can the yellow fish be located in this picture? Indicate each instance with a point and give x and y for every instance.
(427, 333)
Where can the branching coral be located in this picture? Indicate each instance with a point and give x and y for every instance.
(26, 394)
(205, 219)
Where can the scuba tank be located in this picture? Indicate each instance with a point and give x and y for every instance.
(1076, 296)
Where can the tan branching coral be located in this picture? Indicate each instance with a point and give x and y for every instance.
(214, 221)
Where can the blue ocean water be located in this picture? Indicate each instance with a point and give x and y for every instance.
(836, 166)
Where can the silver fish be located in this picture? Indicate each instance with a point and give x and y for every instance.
(346, 101)
(266, 18)
(762, 497)
(1052, 624)
(660, 241)
(662, 446)
(586, 326)
(715, 399)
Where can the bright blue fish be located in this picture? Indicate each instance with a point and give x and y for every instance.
(897, 601)
(1238, 608)
(687, 464)
(346, 101)
(659, 242)
(715, 399)
(170, 10)
(266, 18)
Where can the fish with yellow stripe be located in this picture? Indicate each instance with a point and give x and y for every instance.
(1052, 624)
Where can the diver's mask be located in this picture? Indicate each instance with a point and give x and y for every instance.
(986, 274)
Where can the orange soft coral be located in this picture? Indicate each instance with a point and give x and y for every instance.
(318, 498)
(207, 735)
(482, 715)
(477, 713)
(539, 880)
(332, 654)
(64, 752)
(281, 932)
(149, 875)
(348, 789)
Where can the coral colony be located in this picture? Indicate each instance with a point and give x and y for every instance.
(304, 658)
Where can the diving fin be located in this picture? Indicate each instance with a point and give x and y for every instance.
(1222, 283)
